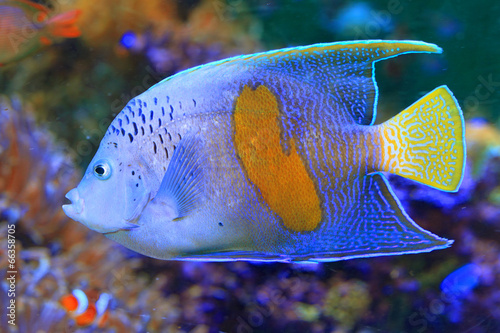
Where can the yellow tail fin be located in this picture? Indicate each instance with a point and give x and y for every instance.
(426, 141)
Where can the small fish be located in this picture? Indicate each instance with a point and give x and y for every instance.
(459, 283)
(357, 18)
(85, 312)
(271, 157)
(25, 27)
(132, 41)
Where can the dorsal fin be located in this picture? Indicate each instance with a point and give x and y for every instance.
(344, 70)
(316, 83)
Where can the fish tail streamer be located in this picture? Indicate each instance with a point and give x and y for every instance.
(426, 141)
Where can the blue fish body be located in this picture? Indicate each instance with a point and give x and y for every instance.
(271, 156)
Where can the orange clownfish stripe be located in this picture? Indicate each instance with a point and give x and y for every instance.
(282, 178)
(69, 302)
(87, 317)
(103, 319)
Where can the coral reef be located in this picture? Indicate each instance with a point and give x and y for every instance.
(35, 173)
(483, 143)
(208, 34)
(104, 24)
(347, 302)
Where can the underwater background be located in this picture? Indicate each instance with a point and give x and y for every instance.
(57, 102)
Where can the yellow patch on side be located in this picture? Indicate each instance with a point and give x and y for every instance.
(281, 178)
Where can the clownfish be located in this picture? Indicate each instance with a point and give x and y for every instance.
(272, 156)
(84, 311)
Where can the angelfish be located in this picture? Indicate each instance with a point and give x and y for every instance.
(272, 156)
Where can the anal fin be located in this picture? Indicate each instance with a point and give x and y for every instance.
(375, 224)
(370, 222)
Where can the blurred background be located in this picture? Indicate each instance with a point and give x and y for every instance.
(62, 84)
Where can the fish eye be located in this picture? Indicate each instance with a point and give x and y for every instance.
(102, 170)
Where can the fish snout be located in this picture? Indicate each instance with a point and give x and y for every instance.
(75, 208)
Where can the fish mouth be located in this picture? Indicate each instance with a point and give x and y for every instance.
(74, 209)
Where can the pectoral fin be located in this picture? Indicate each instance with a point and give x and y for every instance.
(181, 188)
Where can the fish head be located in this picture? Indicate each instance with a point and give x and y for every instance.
(111, 195)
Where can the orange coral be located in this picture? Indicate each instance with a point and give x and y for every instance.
(103, 22)
(211, 22)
